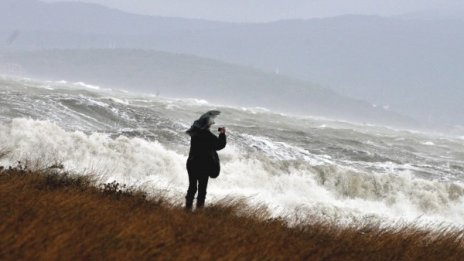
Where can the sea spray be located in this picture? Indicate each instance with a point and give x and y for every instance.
(285, 186)
(341, 171)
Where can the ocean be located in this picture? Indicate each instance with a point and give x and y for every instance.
(293, 165)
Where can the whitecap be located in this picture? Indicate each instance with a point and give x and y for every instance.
(89, 86)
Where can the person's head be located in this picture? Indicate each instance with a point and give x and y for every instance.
(204, 122)
(207, 120)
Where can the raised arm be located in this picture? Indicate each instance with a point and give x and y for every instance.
(220, 141)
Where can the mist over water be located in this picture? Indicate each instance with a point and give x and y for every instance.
(334, 169)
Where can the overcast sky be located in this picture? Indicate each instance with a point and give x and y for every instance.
(270, 10)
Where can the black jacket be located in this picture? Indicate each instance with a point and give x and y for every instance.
(203, 158)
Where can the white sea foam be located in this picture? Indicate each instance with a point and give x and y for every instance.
(62, 81)
(256, 110)
(125, 102)
(47, 87)
(85, 85)
(285, 184)
(94, 102)
(193, 101)
(340, 170)
(283, 151)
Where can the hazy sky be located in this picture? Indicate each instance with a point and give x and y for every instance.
(268, 10)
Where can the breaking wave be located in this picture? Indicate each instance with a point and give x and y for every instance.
(340, 171)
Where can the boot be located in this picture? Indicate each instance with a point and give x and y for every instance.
(200, 203)
(188, 204)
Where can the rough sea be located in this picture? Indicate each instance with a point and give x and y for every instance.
(332, 169)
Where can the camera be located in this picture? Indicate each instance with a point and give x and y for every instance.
(220, 129)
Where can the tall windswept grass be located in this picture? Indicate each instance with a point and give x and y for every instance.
(47, 215)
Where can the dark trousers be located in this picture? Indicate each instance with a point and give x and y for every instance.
(197, 181)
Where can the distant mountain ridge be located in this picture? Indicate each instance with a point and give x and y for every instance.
(87, 18)
(413, 66)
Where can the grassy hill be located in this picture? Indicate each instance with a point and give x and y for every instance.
(45, 215)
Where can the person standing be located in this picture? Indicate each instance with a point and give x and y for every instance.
(203, 160)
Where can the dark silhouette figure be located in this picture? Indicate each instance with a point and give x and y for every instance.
(203, 160)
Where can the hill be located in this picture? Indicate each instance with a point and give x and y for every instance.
(186, 76)
(411, 65)
(48, 215)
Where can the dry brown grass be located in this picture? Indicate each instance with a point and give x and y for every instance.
(49, 216)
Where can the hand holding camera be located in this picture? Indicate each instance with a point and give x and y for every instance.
(222, 130)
